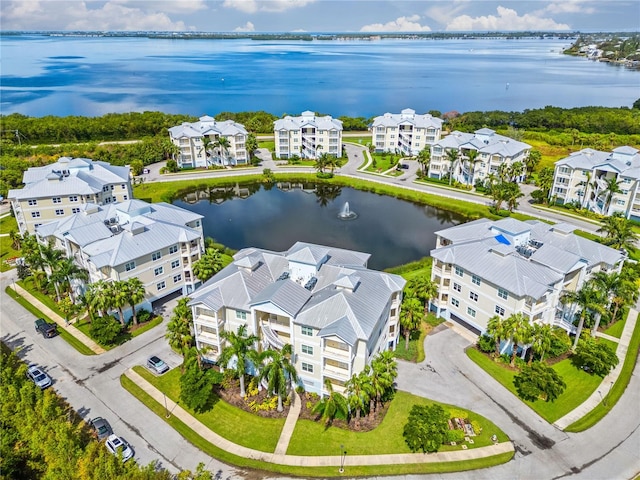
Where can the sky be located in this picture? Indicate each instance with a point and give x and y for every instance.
(320, 15)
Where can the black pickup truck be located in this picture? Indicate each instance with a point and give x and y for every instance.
(47, 330)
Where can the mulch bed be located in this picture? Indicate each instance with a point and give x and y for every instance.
(367, 423)
(230, 393)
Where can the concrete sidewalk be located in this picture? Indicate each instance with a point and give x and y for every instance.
(58, 319)
(600, 395)
(312, 461)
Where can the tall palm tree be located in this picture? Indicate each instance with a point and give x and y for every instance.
(589, 186)
(472, 158)
(612, 187)
(322, 161)
(118, 290)
(277, 368)
(452, 157)
(411, 316)
(382, 377)
(238, 346)
(359, 393)
(135, 294)
(517, 328)
(424, 159)
(180, 326)
(496, 329)
(540, 339)
(423, 288)
(222, 145)
(208, 265)
(334, 405)
(626, 293)
(619, 232)
(587, 299)
(68, 270)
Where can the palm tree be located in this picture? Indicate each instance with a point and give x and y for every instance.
(359, 393)
(452, 156)
(540, 339)
(238, 347)
(423, 288)
(588, 298)
(180, 326)
(619, 232)
(607, 283)
(118, 290)
(222, 145)
(382, 378)
(16, 239)
(515, 170)
(208, 265)
(135, 294)
(496, 329)
(276, 369)
(612, 187)
(68, 270)
(322, 162)
(531, 162)
(424, 159)
(472, 157)
(512, 194)
(411, 316)
(589, 186)
(386, 363)
(334, 405)
(626, 293)
(517, 328)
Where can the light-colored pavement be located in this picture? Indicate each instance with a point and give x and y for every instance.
(289, 425)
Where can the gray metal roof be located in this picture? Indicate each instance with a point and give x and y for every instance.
(407, 116)
(207, 126)
(485, 141)
(307, 118)
(624, 161)
(284, 294)
(341, 328)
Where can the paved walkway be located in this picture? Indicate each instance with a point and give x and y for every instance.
(600, 395)
(58, 319)
(312, 461)
(289, 424)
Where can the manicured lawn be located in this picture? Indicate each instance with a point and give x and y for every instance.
(360, 140)
(386, 438)
(226, 420)
(269, 145)
(580, 385)
(322, 472)
(8, 224)
(7, 252)
(615, 330)
(382, 162)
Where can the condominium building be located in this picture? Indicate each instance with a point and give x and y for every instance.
(199, 143)
(405, 133)
(493, 150)
(485, 268)
(335, 312)
(60, 189)
(156, 243)
(307, 136)
(603, 182)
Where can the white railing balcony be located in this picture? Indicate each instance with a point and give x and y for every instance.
(272, 338)
(337, 354)
(335, 372)
(208, 337)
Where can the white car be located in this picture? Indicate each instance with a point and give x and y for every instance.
(115, 444)
(38, 377)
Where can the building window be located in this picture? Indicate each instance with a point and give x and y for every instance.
(56, 200)
(620, 202)
(158, 271)
(125, 197)
(105, 188)
(241, 315)
(502, 293)
(75, 210)
(173, 249)
(156, 256)
(161, 285)
(32, 202)
(307, 349)
(112, 187)
(175, 264)
(499, 310)
(459, 271)
(471, 312)
(129, 266)
(123, 186)
(455, 302)
(307, 367)
(197, 223)
(473, 296)
(475, 279)
(35, 214)
(73, 198)
(308, 331)
(457, 287)
(177, 278)
(59, 211)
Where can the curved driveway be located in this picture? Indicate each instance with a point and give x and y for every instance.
(610, 450)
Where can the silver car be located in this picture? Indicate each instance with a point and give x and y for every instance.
(157, 365)
(115, 444)
(38, 377)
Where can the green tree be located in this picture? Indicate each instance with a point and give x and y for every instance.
(424, 159)
(196, 385)
(497, 329)
(619, 232)
(277, 368)
(452, 156)
(359, 393)
(537, 381)
(411, 316)
(322, 162)
(612, 187)
(251, 145)
(135, 293)
(180, 327)
(105, 330)
(222, 146)
(137, 166)
(587, 299)
(540, 339)
(208, 265)
(545, 181)
(597, 357)
(532, 161)
(237, 348)
(382, 375)
(517, 328)
(472, 158)
(423, 288)
(426, 428)
(119, 296)
(333, 405)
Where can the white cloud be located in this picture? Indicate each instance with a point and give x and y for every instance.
(569, 6)
(166, 6)
(253, 6)
(247, 27)
(506, 19)
(86, 16)
(400, 24)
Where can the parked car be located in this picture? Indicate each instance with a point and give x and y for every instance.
(38, 377)
(157, 365)
(101, 427)
(115, 444)
(47, 330)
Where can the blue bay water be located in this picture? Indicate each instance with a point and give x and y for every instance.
(93, 76)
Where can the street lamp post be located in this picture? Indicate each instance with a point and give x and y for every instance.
(343, 456)
(166, 409)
